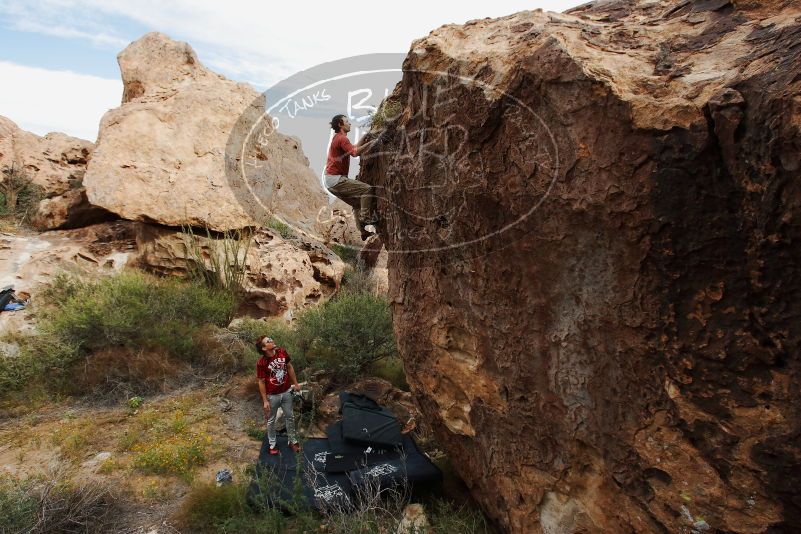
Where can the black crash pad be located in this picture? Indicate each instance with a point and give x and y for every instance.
(277, 476)
(366, 422)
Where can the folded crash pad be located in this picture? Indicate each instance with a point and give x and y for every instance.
(283, 480)
(347, 456)
(365, 422)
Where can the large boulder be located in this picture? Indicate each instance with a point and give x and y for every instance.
(593, 223)
(282, 276)
(161, 156)
(70, 210)
(56, 163)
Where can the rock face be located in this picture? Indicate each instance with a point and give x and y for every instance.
(161, 156)
(55, 162)
(593, 221)
(70, 210)
(282, 276)
(29, 261)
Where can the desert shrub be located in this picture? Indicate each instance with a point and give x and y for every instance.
(346, 253)
(391, 370)
(356, 279)
(18, 505)
(132, 310)
(446, 518)
(170, 440)
(177, 455)
(19, 196)
(346, 334)
(343, 336)
(52, 503)
(224, 509)
(207, 505)
(283, 229)
(123, 332)
(219, 261)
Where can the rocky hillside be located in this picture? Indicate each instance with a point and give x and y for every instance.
(593, 222)
(160, 163)
(55, 164)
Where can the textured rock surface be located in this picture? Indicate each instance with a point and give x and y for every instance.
(623, 358)
(70, 210)
(29, 261)
(282, 276)
(161, 156)
(55, 162)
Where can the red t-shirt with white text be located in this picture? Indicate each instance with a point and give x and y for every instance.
(274, 371)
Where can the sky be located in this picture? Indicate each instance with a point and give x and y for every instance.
(58, 64)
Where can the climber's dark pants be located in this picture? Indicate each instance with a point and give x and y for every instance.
(359, 196)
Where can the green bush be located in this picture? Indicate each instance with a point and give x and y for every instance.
(53, 503)
(391, 370)
(283, 229)
(358, 280)
(132, 310)
(116, 322)
(447, 518)
(224, 509)
(18, 506)
(346, 253)
(19, 196)
(219, 260)
(346, 334)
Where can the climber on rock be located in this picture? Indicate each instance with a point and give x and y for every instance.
(358, 195)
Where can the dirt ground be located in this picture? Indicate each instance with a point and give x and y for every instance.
(107, 444)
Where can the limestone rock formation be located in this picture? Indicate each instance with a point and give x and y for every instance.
(161, 156)
(55, 162)
(282, 276)
(593, 224)
(70, 210)
(27, 262)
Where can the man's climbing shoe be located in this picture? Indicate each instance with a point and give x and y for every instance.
(274, 451)
(366, 235)
(295, 447)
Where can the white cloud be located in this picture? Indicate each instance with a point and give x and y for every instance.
(96, 38)
(255, 41)
(265, 41)
(42, 101)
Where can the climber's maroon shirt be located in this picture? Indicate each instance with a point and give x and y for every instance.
(339, 154)
(274, 371)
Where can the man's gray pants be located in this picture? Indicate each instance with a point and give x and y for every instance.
(284, 401)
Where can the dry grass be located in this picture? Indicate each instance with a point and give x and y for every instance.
(53, 503)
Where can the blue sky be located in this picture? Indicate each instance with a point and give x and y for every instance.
(58, 66)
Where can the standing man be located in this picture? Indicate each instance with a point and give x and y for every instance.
(276, 378)
(358, 195)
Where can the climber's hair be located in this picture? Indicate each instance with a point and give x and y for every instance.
(336, 122)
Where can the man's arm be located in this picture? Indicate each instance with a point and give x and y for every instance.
(263, 390)
(292, 378)
(354, 151)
